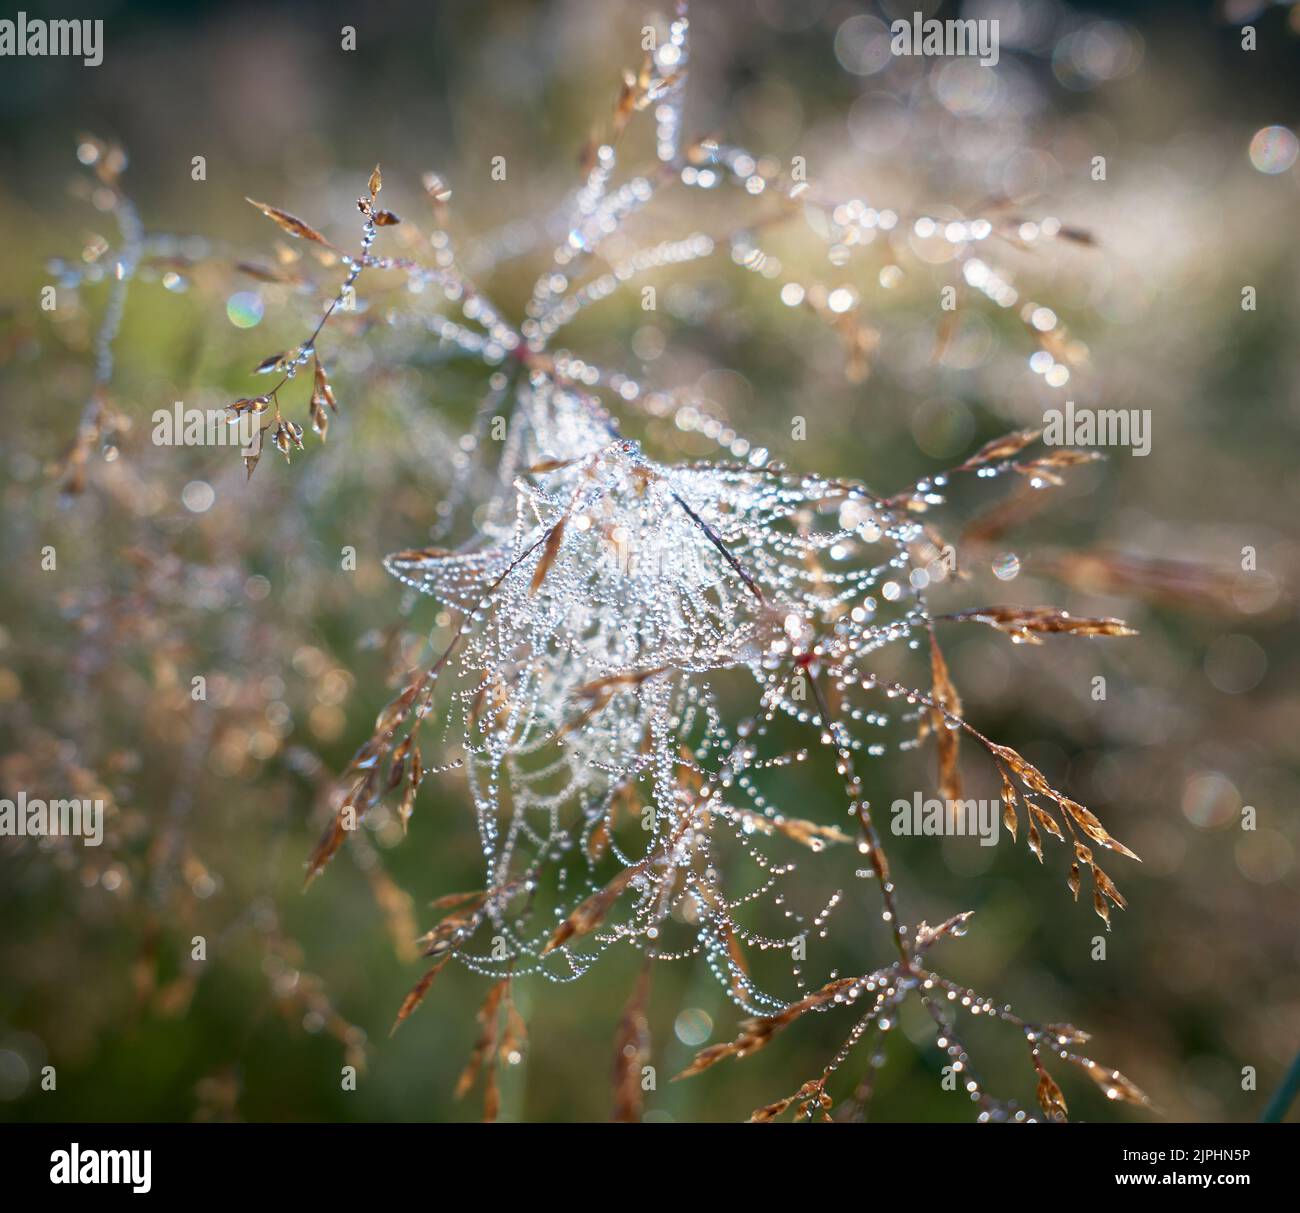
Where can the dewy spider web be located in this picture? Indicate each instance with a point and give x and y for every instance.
(615, 604)
(585, 661)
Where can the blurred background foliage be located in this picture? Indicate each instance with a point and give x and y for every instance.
(171, 566)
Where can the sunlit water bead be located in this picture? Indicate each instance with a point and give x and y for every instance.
(244, 309)
(1006, 567)
(198, 496)
(965, 88)
(693, 1026)
(1273, 150)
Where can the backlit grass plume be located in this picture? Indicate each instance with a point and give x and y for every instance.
(639, 657)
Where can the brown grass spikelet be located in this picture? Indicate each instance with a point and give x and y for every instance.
(1001, 448)
(1115, 1086)
(290, 224)
(1050, 1097)
(590, 913)
(755, 1033)
(947, 739)
(416, 996)
(550, 551)
(811, 1098)
(631, 1048)
(1027, 625)
(482, 1058)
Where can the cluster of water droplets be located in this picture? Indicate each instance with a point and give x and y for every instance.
(630, 629)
